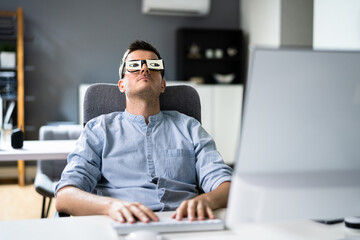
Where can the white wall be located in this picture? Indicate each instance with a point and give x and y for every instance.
(275, 23)
(260, 20)
(337, 24)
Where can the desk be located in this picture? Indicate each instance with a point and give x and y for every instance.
(37, 150)
(98, 227)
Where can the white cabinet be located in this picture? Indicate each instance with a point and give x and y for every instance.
(221, 107)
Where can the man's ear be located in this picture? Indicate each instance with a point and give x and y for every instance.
(163, 86)
(122, 85)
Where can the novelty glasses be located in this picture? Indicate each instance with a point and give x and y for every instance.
(152, 64)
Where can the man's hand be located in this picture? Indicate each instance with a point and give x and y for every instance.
(77, 202)
(202, 206)
(123, 211)
(196, 208)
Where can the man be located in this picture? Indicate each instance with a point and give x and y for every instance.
(129, 164)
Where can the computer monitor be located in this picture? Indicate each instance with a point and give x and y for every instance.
(299, 150)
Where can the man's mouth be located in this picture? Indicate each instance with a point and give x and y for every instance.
(144, 78)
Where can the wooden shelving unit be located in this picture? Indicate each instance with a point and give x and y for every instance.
(20, 105)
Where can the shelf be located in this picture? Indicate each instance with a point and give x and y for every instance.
(213, 59)
(9, 98)
(8, 69)
(14, 38)
(214, 51)
(13, 27)
(26, 68)
(7, 38)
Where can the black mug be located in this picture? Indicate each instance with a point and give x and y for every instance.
(17, 138)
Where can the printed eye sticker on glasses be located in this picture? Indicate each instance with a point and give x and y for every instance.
(152, 64)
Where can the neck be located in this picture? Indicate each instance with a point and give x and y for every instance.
(143, 107)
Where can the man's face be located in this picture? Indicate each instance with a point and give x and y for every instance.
(144, 83)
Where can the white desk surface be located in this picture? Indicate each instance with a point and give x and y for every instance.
(98, 227)
(37, 150)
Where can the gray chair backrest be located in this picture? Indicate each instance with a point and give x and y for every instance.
(104, 98)
(53, 169)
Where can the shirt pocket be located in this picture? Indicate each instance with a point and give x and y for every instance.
(180, 165)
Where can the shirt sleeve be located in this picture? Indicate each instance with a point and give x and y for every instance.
(210, 167)
(83, 169)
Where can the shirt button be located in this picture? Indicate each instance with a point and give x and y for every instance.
(149, 157)
(147, 134)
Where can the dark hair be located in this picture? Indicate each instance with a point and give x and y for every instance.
(138, 45)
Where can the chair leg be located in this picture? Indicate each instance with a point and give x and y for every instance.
(43, 213)
(43, 208)
(48, 208)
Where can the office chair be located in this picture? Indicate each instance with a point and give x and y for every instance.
(104, 98)
(49, 171)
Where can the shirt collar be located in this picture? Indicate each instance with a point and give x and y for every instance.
(140, 118)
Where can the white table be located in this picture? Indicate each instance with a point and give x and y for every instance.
(37, 150)
(98, 227)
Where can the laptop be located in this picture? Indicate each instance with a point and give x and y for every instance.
(299, 150)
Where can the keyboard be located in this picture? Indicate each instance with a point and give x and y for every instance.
(169, 225)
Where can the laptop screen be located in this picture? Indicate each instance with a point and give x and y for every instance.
(301, 112)
(299, 151)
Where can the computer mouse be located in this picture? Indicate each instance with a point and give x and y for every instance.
(144, 235)
(352, 227)
(352, 222)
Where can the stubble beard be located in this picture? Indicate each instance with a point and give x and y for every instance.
(148, 93)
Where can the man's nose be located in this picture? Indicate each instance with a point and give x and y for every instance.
(144, 68)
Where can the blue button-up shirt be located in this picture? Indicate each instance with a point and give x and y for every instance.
(160, 164)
